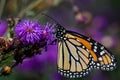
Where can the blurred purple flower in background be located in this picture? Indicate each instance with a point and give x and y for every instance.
(3, 27)
(83, 17)
(109, 41)
(96, 28)
(40, 63)
(97, 31)
(99, 23)
(28, 32)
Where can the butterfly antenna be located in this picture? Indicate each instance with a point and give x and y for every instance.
(49, 17)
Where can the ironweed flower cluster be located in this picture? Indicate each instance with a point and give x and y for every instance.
(27, 38)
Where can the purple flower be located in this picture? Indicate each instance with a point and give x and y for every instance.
(28, 32)
(3, 27)
(48, 32)
(99, 23)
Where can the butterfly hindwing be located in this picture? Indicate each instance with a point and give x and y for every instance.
(74, 59)
(105, 60)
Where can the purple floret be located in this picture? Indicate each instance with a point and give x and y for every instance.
(49, 32)
(28, 32)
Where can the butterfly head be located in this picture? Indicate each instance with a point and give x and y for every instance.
(60, 32)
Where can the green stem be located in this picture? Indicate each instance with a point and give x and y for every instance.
(29, 7)
(2, 4)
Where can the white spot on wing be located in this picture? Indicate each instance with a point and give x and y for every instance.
(102, 47)
(83, 47)
(102, 52)
(95, 47)
(91, 43)
(98, 64)
(100, 59)
(95, 50)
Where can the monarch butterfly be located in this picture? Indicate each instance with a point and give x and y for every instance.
(78, 54)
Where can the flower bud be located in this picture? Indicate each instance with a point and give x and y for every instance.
(4, 45)
(6, 70)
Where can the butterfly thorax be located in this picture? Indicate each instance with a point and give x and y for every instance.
(60, 32)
